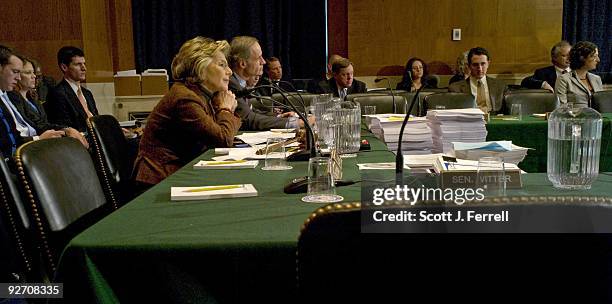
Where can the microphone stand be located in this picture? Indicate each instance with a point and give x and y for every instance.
(399, 157)
(391, 89)
(311, 150)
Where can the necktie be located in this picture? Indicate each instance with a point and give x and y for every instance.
(19, 119)
(83, 102)
(481, 97)
(342, 93)
(7, 126)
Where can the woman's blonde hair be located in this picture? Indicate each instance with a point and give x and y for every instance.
(193, 58)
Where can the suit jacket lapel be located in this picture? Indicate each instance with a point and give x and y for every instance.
(574, 78)
(74, 100)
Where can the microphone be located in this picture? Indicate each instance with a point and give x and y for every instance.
(247, 92)
(390, 89)
(309, 133)
(399, 157)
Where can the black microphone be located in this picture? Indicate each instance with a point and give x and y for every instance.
(309, 133)
(247, 92)
(390, 89)
(399, 157)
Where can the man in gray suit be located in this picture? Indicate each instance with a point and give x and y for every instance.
(489, 92)
(246, 61)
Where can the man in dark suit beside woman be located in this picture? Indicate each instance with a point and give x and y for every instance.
(545, 78)
(342, 82)
(69, 103)
(488, 91)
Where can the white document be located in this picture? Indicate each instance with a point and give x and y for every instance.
(226, 164)
(212, 192)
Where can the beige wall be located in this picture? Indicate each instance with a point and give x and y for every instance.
(517, 33)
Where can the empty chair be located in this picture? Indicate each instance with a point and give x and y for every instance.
(17, 261)
(299, 100)
(63, 192)
(337, 251)
(602, 101)
(417, 109)
(113, 159)
(531, 101)
(449, 100)
(383, 103)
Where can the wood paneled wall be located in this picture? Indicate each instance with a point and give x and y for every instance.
(517, 33)
(103, 29)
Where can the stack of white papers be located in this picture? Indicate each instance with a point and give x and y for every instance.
(417, 137)
(212, 192)
(227, 164)
(259, 138)
(447, 126)
(474, 151)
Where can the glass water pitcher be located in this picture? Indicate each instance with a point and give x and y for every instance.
(574, 141)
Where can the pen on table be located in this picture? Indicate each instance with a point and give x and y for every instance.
(225, 162)
(213, 188)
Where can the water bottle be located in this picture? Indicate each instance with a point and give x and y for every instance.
(574, 141)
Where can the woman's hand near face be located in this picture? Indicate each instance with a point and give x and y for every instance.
(225, 100)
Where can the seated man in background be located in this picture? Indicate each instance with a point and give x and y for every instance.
(545, 78)
(489, 92)
(70, 104)
(275, 75)
(246, 61)
(342, 83)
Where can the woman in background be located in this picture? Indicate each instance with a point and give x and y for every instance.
(584, 57)
(415, 76)
(195, 115)
(462, 71)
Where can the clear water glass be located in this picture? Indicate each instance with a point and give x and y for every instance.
(321, 187)
(491, 176)
(276, 155)
(516, 111)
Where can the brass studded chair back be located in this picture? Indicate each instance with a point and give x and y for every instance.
(531, 102)
(63, 192)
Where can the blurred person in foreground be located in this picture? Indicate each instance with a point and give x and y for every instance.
(195, 115)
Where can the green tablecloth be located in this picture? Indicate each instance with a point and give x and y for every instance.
(239, 250)
(532, 132)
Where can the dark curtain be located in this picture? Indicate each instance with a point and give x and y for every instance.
(294, 31)
(591, 20)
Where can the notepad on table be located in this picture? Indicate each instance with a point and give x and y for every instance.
(226, 164)
(212, 192)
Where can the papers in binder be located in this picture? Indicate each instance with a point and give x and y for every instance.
(212, 192)
(227, 164)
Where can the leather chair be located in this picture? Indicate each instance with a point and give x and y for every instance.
(383, 103)
(531, 101)
(112, 157)
(63, 192)
(17, 260)
(417, 109)
(602, 101)
(301, 100)
(449, 100)
(341, 252)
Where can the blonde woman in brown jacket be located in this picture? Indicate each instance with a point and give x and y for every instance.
(195, 115)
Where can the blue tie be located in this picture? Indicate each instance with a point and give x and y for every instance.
(20, 120)
(7, 125)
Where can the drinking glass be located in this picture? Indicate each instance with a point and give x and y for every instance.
(276, 155)
(369, 110)
(491, 176)
(321, 188)
(515, 111)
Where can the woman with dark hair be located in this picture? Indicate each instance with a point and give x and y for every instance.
(584, 57)
(415, 76)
